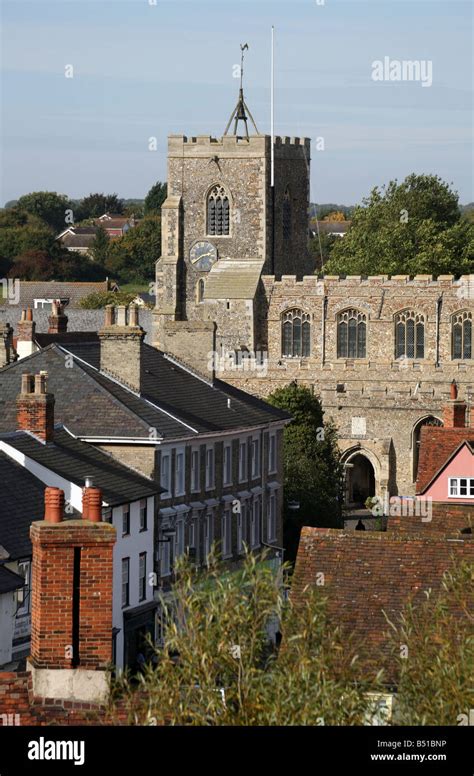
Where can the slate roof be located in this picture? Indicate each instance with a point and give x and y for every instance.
(43, 339)
(367, 574)
(74, 460)
(197, 402)
(78, 240)
(437, 444)
(9, 581)
(52, 289)
(22, 502)
(173, 401)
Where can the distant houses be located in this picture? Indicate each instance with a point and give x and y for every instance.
(80, 239)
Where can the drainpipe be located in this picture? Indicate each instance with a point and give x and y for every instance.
(323, 330)
(438, 314)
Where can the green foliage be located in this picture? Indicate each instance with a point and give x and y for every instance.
(95, 205)
(132, 257)
(47, 205)
(311, 465)
(100, 246)
(321, 249)
(155, 198)
(19, 234)
(199, 678)
(54, 265)
(435, 684)
(407, 228)
(100, 299)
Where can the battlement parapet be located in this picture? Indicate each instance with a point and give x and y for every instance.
(465, 282)
(254, 143)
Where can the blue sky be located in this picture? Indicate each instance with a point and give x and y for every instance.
(146, 70)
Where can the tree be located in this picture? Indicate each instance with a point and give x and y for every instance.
(216, 666)
(33, 265)
(95, 205)
(15, 240)
(436, 669)
(311, 465)
(408, 228)
(335, 215)
(155, 198)
(321, 248)
(100, 246)
(48, 205)
(132, 257)
(100, 299)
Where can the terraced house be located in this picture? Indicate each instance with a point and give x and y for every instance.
(213, 452)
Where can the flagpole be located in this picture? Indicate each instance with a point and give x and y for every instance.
(272, 110)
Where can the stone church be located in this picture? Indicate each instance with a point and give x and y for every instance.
(237, 294)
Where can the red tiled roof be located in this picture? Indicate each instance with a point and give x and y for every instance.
(437, 444)
(367, 574)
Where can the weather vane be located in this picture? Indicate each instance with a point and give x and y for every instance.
(241, 109)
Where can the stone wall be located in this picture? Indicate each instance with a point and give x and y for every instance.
(376, 401)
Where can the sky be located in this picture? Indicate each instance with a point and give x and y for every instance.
(145, 69)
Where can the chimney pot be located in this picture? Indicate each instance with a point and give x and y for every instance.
(40, 383)
(29, 314)
(133, 315)
(121, 315)
(53, 505)
(57, 321)
(95, 505)
(27, 383)
(109, 314)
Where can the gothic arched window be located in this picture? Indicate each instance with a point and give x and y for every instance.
(351, 334)
(409, 335)
(200, 290)
(286, 216)
(218, 211)
(296, 330)
(462, 335)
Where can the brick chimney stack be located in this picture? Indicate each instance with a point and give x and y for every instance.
(35, 407)
(454, 411)
(57, 321)
(121, 344)
(71, 618)
(26, 334)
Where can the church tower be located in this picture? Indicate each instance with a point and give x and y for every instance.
(224, 225)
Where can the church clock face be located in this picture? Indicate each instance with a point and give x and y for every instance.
(203, 255)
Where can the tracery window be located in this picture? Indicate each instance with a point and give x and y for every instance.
(462, 335)
(218, 211)
(296, 330)
(409, 335)
(351, 334)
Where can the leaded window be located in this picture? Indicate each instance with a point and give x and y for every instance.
(351, 334)
(409, 335)
(218, 211)
(286, 216)
(296, 329)
(462, 335)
